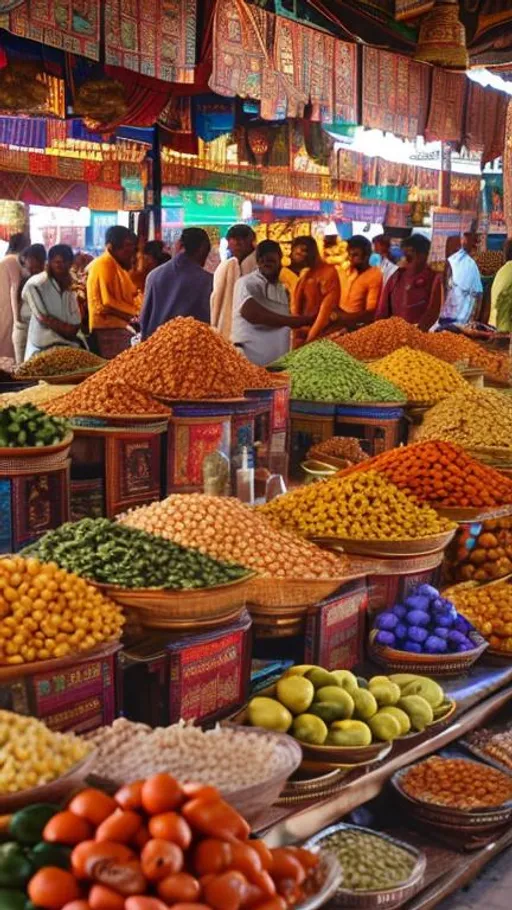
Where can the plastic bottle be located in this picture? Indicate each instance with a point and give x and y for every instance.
(245, 480)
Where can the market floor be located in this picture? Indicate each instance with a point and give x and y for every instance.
(491, 890)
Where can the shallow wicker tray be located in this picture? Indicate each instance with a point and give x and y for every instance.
(483, 756)
(37, 451)
(367, 900)
(291, 592)
(54, 792)
(474, 514)
(418, 547)
(160, 608)
(397, 661)
(65, 378)
(123, 419)
(341, 464)
(432, 813)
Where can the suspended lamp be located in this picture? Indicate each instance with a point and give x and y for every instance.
(442, 37)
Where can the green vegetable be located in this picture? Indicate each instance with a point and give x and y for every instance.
(15, 868)
(25, 425)
(27, 825)
(50, 855)
(11, 899)
(112, 553)
(322, 371)
(369, 862)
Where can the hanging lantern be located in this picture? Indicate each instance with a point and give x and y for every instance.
(442, 37)
(259, 143)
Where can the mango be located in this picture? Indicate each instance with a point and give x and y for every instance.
(384, 727)
(310, 729)
(418, 709)
(385, 692)
(298, 670)
(365, 704)
(320, 677)
(401, 716)
(329, 711)
(427, 688)
(296, 693)
(346, 680)
(403, 679)
(349, 733)
(338, 696)
(269, 713)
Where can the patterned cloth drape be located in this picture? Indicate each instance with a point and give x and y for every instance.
(484, 126)
(446, 113)
(395, 93)
(507, 171)
(71, 25)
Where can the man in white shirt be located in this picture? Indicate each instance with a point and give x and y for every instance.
(54, 311)
(382, 246)
(464, 287)
(242, 261)
(261, 311)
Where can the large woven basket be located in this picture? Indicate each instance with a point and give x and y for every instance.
(54, 792)
(418, 547)
(291, 592)
(24, 459)
(396, 661)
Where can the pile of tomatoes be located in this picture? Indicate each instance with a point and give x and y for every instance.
(157, 845)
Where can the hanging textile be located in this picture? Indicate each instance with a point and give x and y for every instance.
(28, 132)
(71, 25)
(319, 64)
(395, 93)
(154, 37)
(446, 114)
(484, 125)
(411, 9)
(345, 83)
(43, 190)
(239, 49)
(103, 199)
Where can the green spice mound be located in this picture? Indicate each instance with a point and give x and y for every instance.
(322, 371)
(104, 551)
(25, 425)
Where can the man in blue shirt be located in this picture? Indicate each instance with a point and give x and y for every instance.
(180, 287)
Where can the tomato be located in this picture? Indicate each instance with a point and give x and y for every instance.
(253, 897)
(246, 860)
(77, 905)
(119, 827)
(289, 889)
(160, 858)
(286, 865)
(212, 856)
(188, 906)
(93, 805)
(179, 887)
(144, 903)
(125, 878)
(103, 898)
(171, 826)
(67, 828)
(215, 818)
(202, 791)
(263, 851)
(141, 838)
(275, 903)
(52, 888)
(306, 858)
(226, 891)
(130, 796)
(88, 853)
(161, 793)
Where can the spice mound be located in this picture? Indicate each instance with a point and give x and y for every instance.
(496, 745)
(27, 425)
(361, 506)
(225, 757)
(111, 553)
(59, 360)
(46, 612)
(369, 862)
(457, 783)
(346, 447)
(442, 474)
(474, 418)
(185, 359)
(33, 755)
(423, 378)
(322, 371)
(99, 396)
(226, 529)
(489, 609)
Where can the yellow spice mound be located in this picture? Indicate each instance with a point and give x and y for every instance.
(474, 418)
(423, 378)
(225, 528)
(363, 506)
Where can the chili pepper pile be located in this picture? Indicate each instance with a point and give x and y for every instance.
(100, 396)
(442, 474)
(158, 845)
(362, 506)
(185, 359)
(59, 360)
(424, 379)
(457, 783)
(474, 418)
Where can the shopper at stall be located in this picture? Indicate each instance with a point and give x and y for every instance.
(415, 291)
(382, 248)
(11, 274)
(261, 311)
(317, 293)
(112, 297)
(180, 287)
(361, 285)
(54, 311)
(501, 293)
(290, 274)
(242, 261)
(463, 285)
(33, 261)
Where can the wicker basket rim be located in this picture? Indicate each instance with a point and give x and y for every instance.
(394, 654)
(461, 813)
(118, 589)
(37, 451)
(37, 792)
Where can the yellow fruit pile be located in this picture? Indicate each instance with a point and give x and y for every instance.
(46, 612)
(473, 418)
(489, 609)
(423, 378)
(33, 755)
(362, 506)
(226, 529)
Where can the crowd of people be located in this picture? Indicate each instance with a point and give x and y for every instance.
(263, 307)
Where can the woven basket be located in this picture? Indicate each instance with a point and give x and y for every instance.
(396, 661)
(290, 592)
(35, 458)
(367, 900)
(418, 547)
(475, 514)
(54, 792)
(67, 378)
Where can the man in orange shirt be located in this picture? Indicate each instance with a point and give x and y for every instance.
(317, 292)
(112, 297)
(361, 285)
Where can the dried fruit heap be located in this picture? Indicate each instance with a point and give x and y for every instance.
(423, 378)
(457, 783)
(100, 396)
(489, 609)
(442, 474)
(474, 418)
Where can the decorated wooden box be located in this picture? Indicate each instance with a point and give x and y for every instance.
(118, 467)
(378, 428)
(397, 576)
(311, 422)
(279, 401)
(76, 693)
(195, 431)
(204, 676)
(31, 504)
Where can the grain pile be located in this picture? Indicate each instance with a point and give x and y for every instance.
(59, 360)
(226, 529)
(473, 418)
(100, 396)
(37, 394)
(424, 379)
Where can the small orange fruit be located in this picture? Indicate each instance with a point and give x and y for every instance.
(120, 827)
(67, 828)
(159, 858)
(130, 796)
(161, 793)
(93, 805)
(103, 898)
(172, 827)
(179, 887)
(52, 888)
